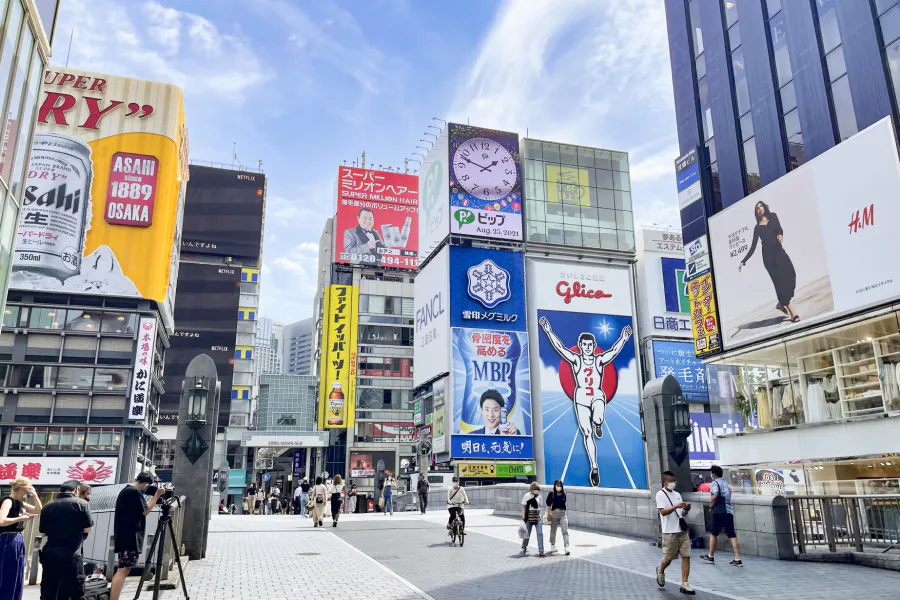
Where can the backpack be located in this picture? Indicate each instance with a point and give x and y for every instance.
(320, 498)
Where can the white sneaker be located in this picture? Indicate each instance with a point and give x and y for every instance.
(552, 548)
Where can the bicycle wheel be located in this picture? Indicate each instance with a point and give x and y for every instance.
(453, 535)
(462, 538)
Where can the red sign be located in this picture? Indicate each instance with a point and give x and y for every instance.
(132, 189)
(578, 290)
(377, 219)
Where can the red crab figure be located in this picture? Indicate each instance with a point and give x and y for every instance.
(95, 472)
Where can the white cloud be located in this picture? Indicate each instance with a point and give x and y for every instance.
(581, 72)
(629, 379)
(154, 42)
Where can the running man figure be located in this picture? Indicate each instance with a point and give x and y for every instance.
(590, 401)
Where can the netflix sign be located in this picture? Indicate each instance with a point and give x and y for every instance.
(377, 219)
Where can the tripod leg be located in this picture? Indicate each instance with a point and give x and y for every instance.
(160, 552)
(178, 561)
(159, 530)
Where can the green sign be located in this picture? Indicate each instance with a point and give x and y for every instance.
(510, 470)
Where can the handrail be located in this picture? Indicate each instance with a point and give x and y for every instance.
(844, 522)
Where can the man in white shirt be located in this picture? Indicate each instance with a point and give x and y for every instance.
(676, 538)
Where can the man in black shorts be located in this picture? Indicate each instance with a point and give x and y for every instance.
(132, 509)
(722, 517)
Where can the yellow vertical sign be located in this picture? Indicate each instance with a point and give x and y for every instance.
(337, 383)
(704, 321)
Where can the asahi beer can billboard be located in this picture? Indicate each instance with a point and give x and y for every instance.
(105, 188)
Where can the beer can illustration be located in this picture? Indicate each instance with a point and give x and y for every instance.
(55, 214)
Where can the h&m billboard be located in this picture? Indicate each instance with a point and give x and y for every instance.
(587, 376)
(805, 248)
(223, 212)
(104, 189)
(377, 219)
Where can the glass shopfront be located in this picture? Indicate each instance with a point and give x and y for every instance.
(846, 373)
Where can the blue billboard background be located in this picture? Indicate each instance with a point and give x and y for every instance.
(678, 359)
(487, 289)
(490, 360)
(620, 452)
(703, 448)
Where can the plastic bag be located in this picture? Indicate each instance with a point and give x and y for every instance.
(523, 530)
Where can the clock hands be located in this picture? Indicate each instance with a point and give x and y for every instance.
(475, 163)
(487, 168)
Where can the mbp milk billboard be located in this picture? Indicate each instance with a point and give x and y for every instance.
(103, 196)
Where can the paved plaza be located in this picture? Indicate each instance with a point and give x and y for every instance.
(407, 556)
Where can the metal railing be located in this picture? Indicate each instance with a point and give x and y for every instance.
(845, 522)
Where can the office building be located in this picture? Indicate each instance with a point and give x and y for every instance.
(297, 355)
(269, 347)
(786, 117)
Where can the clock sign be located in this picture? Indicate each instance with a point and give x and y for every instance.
(485, 183)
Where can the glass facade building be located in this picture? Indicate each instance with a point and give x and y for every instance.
(26, 32)
(577, 196)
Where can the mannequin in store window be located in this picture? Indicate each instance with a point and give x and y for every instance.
(777, 262)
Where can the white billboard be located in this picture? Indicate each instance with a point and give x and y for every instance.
(54, 470)
(434, 198)
(432, 318)
(664, 307)
(812, 245)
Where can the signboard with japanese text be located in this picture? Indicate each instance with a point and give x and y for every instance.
(432, 318)
(491, 446)
(441, 416)
(704, 322)
(468, 469)
(337, 390)
(678, 360)
(434, 190)
(377, 218)
(811, 246)
(491, 385)
(143, 370)
(662, 292)
(581, 320)
(104, 189)
(237, 478)
(485, 183)
(55, 470)
(511, 470)
(687, 179)
(487, 288)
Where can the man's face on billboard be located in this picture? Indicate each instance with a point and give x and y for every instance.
(366, 219)
(587, 347)
(490, 412)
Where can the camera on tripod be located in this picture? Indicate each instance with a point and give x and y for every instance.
(168, 496)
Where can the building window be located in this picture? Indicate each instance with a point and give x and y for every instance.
(10, 316)
(784, 75)
(889, 20)
(742, 99)
(47, 318)
(836, 69)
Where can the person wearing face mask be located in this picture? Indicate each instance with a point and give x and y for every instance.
(676, 538)
(531, 515)
(556, 514)
(456, 498)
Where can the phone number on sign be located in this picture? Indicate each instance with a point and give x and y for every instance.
(382, 259)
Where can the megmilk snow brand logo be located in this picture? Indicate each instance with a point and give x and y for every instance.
(489, 283)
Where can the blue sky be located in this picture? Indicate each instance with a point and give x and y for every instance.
(302, 85)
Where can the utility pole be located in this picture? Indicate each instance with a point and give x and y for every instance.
(363, 165)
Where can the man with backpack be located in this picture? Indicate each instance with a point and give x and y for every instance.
(722, 517)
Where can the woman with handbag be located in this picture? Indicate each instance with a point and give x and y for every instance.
(351, 495)
(531, 516)
(336, 501)
(556, 514)
(319, 496)
(15, 511)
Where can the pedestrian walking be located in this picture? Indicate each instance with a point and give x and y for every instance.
(65, 522)
(275, 502)
(531, 515)
(422, 487)
(15, 510)
(556, 514)
(722, 517)
(329, 484)
(251, 499)
(336, 501)
(388, 493)
(351, 498)
(304, 497)
(676, 537)
(319, 496)
(244, 506)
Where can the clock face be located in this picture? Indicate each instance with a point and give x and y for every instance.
(484, 168)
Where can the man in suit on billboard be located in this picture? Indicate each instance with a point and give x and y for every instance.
(492, 404)
(362, 242)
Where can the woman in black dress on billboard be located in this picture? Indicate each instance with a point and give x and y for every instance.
(778, 264)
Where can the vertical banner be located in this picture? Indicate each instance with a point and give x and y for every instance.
(143, 363)
(337, 386)
(439, 421)
(704, 321)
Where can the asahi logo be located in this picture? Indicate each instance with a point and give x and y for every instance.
(55, 198)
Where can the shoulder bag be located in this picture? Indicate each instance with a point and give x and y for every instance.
(682, 524)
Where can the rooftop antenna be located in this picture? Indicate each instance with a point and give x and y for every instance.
(429, 133)
(71, 35)
(364, 159)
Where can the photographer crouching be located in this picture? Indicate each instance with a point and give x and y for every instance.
(132, 509)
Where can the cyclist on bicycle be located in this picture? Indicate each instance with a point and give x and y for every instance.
(456, 498)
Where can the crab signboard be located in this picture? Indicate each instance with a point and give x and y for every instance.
(54, 470)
